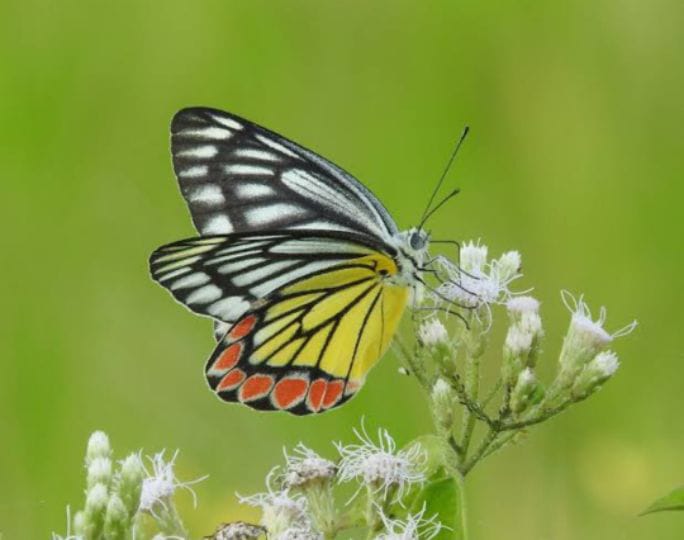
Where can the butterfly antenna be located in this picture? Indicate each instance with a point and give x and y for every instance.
(438, 206)
(446, 170)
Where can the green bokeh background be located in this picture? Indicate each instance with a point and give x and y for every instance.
(575, 159)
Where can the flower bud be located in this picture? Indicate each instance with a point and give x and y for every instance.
(523, 338)
(98, 447)
(508, 266)
(117, 520)
(443, 397)
(524, 391)
(601, 368)
(432, 333)
(99, 471)
(94, 512)
(131, 479)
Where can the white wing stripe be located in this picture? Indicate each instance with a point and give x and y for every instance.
(253, 191)
(264, 215)
(254, 153)
(194, 172)
(233, 268)
(248, 169)
(276, 146)
(175, 273)
(207, 194)
(261, 273)
(229, 309)
(211, 132)
(267, 287)
(191, 280)
(218, 224)
(228, 122)
(199, 152)
(204, 295)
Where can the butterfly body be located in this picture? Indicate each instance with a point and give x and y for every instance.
(302, 269)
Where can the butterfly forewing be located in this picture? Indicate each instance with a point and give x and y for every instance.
(239, 177)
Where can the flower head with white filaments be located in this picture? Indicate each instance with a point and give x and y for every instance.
(281, 511)
(304, 466)
(414, 527)
(380, 466)
(160, 485)
(476, 283)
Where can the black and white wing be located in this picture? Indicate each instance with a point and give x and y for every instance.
(238, 177)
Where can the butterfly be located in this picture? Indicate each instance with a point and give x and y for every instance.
(300, 266)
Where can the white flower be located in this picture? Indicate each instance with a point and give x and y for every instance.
(306, 466)
(519, 305)
(414, 527)
(432, 332)
(601, 368)
(381, 467)
(605, 364)
(518, 341)
(99, 471)
(523, 391)
(280, 511)
(98, 447)
(477, 282)
(159, 486)
(586, 337)
(473, 257)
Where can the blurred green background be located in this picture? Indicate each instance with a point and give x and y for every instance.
(575, 159)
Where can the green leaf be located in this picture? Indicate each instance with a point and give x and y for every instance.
(673, 501)
(441, 496)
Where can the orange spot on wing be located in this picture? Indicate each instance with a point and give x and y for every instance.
(316, 393)
(289, 391)
(333, 393)
(231, 380)
(255, 387)
(228, 358)
(243, 327)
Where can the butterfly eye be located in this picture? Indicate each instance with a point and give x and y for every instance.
(416, 241)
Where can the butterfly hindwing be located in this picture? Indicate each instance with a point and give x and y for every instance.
(309, 347)
(239, 177)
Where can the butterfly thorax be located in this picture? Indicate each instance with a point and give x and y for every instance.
(412, 248)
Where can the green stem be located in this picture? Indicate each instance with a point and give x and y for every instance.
(461, 511)
(488, 439)
(472, 389)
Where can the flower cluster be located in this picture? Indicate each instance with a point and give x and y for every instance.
(119, 495)
(449, 361)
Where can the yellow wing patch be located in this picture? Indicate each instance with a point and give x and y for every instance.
(340, 321)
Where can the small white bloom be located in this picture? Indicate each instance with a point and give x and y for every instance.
(473, 256)
(508, 265)
(605, 364)
(518, 305)
(380, 466)
(98, 447)
(159, 486)
(432, 332)
(414, 527)
(443, 398)
(586, 337)
(477, 282)
(279, 510)
(523, 390)
(305, 466)
(518, 341)
(99, 471)
(96, 498)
